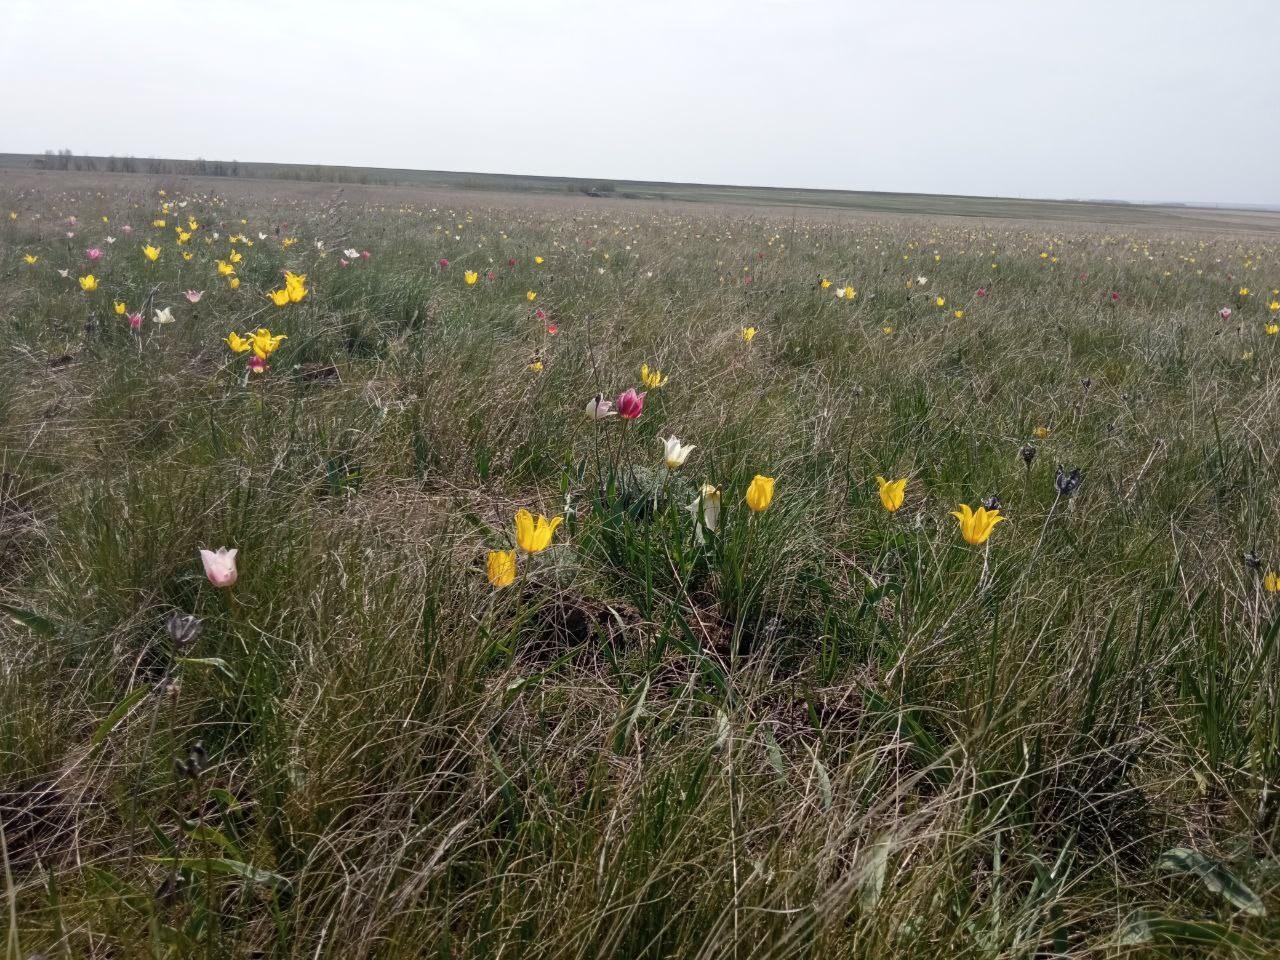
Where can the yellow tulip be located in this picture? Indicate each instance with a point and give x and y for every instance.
(534, 535)
(502, 568)
(1274, 306)
(760, 493)
(1272, 329)
(151, 253)
(295, 285)
(30, 258)
(976, 527)
(748, 333)
(892, 493)
(89, 283)
(824, 283)
(225, 269)
(538, 261)
(120, 308)
(1271, 582)
(531, 296)
(237, 343)
(279, 297)
(471, 277)
(941, 301)
(158, 223)
(1041, 433)
(235, 283)
(653, 379)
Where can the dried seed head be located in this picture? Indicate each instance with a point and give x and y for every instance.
(183, 628)
(1028, 453)
(1067, 483)
(992, 502)
(1252, 561)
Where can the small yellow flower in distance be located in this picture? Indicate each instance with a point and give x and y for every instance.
(941, 301)
(976, 527)
(1274, 306)
(534, 535)
(653, 379)
(119, 308)
(237, 343)
(13, 215)
(536, 366)
(824, 283)
(1271, 582)
(471, 277)
(531, 296)
(30, 258)
(748, 333)
(158, 223)
(151, 253)
(183, 236)
(234, 283)
(760, 493)
(1040, 433)
(89, 283)
(235, 256)
(1244, 291)
(959, 314)
(892, 493)
(502, 568)
(1272, 329)
(886, 330)
(538, 261)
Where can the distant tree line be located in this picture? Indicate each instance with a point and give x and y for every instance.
(66, 160)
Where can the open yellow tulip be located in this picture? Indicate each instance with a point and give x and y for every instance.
(534, 535)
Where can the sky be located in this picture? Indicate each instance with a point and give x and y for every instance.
(1142, 100)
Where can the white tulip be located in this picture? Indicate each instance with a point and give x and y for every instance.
(674, 452)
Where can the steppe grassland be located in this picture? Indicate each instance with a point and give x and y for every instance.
(821, 729)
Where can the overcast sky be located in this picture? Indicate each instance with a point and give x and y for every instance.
(1129, 99)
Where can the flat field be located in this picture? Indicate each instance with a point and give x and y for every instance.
(709, 716)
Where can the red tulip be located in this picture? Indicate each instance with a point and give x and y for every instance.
(630, 404)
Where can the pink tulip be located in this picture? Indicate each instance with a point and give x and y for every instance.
(540, 314)
(135, 321)
(552, 328)
(193, 296)
(93, 253)
(257, 365)
(511, 261)
(128, 229)
(444, 263)
(630, 404)
(490, 275)
(982, 291)
(364, 254)
(343, 263)
(219, 566)
(1225, 313)
(1114, 296)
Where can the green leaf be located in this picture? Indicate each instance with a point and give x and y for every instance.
(216, 662)
(774, 754)
(223, 866)
(29, 619)
(116, 715)
(1215, 877)
(1143, 927)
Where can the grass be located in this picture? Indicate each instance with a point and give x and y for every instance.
(821, 730)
